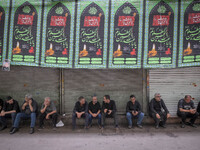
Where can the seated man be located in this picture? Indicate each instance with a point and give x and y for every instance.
(29, 110)
(94, 109)
(48, 110)
(109, 110)
(133, 110)
(10, 109)
(159, 111)
(1, 104)
(186, 109)
(80, 111)
(198, 108)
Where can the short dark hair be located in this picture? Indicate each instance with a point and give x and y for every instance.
(80, 98)
(186, 96)
(107, 96)
(132, 96)
(8, 98)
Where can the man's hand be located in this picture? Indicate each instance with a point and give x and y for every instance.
(109, 112)
(47, 116)
(94, 115)
(79, 115)
(158, 116)
(2, 113)
(105, 110)
(168, 115)
(30, 102)
(192, 111)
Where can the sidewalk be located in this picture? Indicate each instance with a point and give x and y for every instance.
(173, 137)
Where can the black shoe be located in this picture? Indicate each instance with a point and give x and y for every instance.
(3, 128)
(139, 126)
(14, 130)
(40, 128)
(182, 125)
(157, 126)
(11, 129)
(193, 125)
(163, 125)
(31, 131)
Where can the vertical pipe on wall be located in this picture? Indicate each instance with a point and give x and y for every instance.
(144, 91)
(61, 104)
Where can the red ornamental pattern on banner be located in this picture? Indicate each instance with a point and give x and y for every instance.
(126, 21)
(58, 21)
(91, 21)
(193, 18)
(161, 20)
(25, 19)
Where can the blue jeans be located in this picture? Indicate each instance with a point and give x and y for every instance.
(3, 118)
(139, 117)
(25, 116)
(97, 117)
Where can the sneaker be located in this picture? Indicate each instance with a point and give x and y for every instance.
(31, 131)
(129, 126)
(102, 130)
(139, 126)
(182, 125)
(163, 125)
(14, 130)
(157, 126)
(40, 128)
(193, 125)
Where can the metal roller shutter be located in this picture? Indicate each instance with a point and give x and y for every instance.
(174, 84)
(40, 82)
(119, 84)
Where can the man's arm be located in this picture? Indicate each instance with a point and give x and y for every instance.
(152, 107)
(43, 108)
(128, 108)
(164, 106)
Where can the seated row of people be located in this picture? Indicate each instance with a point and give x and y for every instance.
(158, 111)
(29, 109)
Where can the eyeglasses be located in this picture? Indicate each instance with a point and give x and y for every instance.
(158, 96)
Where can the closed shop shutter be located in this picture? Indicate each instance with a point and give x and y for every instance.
(174, 84)
(40, 82)
(119, 84)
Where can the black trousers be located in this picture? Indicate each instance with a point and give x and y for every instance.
(112, 115)
(185, 115)
(54, 118)
(162, 120)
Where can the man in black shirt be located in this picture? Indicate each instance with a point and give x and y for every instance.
(109, 110)
(29, 110)
(159, 111)
(10, 109)
(80, 111)
(186, 109)
(1, 104)
(198, 108)
(94, 109)
(133, 110)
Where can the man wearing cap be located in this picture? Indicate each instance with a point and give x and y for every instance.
(48, 110)
(10, 109)
(94, 109)
(29, 110)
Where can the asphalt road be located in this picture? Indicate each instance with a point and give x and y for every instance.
(148, 138)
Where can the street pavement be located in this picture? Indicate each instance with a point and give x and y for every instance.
(171, 138)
